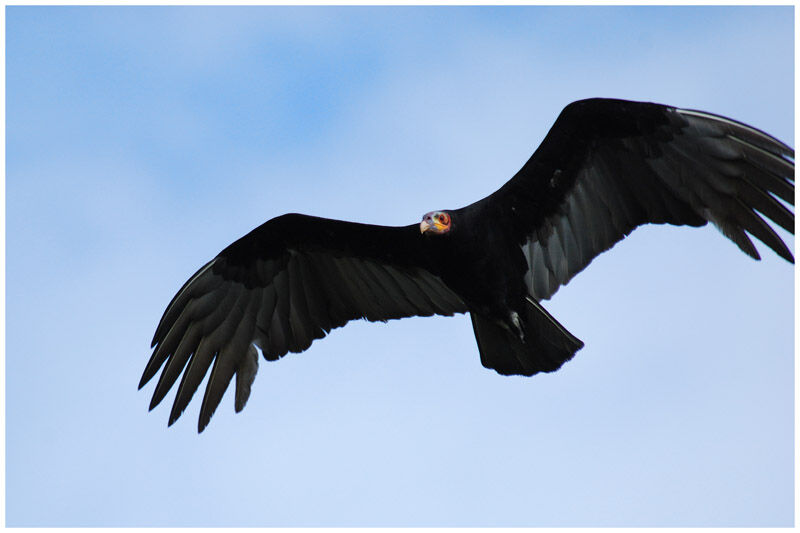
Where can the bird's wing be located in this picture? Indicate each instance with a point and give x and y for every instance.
(608, 166)
(281, 286)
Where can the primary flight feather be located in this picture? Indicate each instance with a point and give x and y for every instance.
(605, 167)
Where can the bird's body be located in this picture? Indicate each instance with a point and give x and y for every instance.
(479, 262)
(606, 167)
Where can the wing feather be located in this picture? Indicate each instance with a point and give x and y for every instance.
(245, 375)
(193, 375)
(414, 298)
(197, 285)
(207, 310)
(235, 348)
(176, 362)
(765, 203)
(285, 284)
(608, 166)
(316, 296)
(299, 319)
(281, 328)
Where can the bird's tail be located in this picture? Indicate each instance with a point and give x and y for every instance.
(544, 346)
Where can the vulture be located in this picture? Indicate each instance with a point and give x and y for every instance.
(605, 167)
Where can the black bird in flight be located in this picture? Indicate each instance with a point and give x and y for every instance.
(605, 167)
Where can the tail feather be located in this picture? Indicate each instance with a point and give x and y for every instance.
(545, 346)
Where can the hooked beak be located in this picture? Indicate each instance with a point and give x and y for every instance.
(424, 226)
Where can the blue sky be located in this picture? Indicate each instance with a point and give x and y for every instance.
(141, 141)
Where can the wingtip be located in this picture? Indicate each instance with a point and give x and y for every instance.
(154, 401)
(782, 250)
(147, 375)
(172, 420)
(205, 416)
(176, 411)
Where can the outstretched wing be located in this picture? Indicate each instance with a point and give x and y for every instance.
(286, 283)
(608, 166)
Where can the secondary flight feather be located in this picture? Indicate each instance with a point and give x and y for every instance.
(605, 167)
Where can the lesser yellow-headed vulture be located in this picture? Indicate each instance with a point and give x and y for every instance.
(605, 167)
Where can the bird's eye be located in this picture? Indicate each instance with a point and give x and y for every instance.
(444, 219)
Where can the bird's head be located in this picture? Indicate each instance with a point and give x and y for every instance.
(436, 223)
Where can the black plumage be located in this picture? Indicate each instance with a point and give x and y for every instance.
(605, 167)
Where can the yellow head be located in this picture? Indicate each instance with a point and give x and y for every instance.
(436, 223)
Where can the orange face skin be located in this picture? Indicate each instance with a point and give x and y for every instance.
(435, 222)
